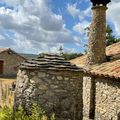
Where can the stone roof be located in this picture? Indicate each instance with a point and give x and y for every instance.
(111, 68)
(49, 62)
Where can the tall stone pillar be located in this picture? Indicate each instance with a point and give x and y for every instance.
(97, 36)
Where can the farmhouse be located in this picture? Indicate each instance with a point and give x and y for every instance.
(9, 61)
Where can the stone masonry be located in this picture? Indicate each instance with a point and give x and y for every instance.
(55, 91)
(88, 97)
(107, 99)
(101, 98)
(97, 36)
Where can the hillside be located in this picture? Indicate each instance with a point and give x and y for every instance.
(28, 56)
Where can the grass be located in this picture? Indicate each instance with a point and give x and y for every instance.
(6, 95)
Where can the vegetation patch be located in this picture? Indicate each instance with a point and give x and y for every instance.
(7, 113)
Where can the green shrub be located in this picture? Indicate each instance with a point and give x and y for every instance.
(6, 113)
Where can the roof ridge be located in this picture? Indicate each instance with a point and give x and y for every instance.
(6, 49)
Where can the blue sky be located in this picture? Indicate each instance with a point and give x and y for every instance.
(35, 26)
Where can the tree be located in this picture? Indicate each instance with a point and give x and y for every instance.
(110, 38)
(60, 50)
(69, 56)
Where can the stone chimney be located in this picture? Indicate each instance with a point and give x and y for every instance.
(97, 36)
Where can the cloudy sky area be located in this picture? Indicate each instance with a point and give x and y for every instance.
(34, 26)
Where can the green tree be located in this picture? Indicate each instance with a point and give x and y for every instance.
(69, 56)
(110, 38)
(60, 50)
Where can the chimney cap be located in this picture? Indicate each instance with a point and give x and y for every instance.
(99, 2)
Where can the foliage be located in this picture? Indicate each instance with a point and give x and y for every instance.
(110, 38)
(69, 56)
(6, 113)
(60, 50)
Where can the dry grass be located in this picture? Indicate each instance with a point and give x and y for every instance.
(7, 81)
(6, 95)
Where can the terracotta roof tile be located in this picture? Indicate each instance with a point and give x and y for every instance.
(113, 49)
(106, 69)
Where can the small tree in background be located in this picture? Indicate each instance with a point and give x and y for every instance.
(60, 50)
(68, 56)
(110, 38)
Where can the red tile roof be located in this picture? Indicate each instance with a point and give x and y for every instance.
(113, 49)
(107, 69)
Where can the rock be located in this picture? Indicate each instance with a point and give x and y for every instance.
(59, 77)
(41, 74)
(43, 87)
(66, 78)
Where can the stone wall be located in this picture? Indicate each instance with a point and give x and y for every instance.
(88, 97)
(11, 61)
(58, 92)
(107, 99)
(101, 98)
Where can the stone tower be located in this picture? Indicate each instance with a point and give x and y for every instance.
(97, 36)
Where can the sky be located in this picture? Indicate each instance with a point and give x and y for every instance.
(37, 26)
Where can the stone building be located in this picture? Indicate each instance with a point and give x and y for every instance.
(53, 84)
(9, 60)
(101, 81)
(101, 86)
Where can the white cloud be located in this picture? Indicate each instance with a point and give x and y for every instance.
(75, 12)
(113, 14)
(34, 27)
(2, 37)
(72, 9)
(80, 27)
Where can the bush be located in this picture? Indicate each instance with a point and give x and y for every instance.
(6, 113)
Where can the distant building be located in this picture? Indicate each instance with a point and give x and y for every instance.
(9, 61)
